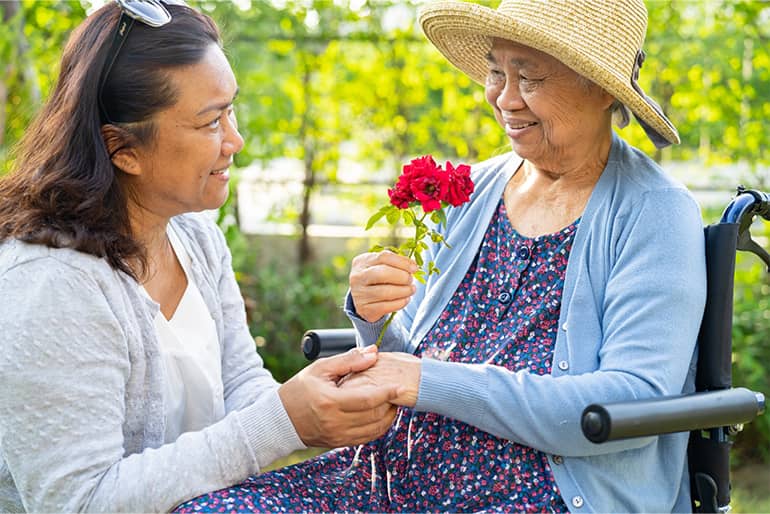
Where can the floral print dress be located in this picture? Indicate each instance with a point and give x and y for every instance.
(505, 312)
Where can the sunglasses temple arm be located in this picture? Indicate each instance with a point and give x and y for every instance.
(124, 27)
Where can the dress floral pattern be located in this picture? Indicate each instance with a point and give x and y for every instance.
(505, 312)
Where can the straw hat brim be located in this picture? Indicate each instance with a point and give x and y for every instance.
(463, 33)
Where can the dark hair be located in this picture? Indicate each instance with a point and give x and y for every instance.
(64, 190)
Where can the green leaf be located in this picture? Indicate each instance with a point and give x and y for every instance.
(394, 215)
(376, 248)
(436, 237)
(377, 215)
(419, 275)
(418, 259)
(441, 215)
(409, 218)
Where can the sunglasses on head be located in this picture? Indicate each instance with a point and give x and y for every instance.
(152, 13)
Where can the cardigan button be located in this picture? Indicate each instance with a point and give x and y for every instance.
(504, 297)
(563, 365)
(577, 501)
(523, 253)
(558, 459)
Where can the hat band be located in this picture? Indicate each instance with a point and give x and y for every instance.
(656, 137)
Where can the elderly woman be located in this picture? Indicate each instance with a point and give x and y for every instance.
(575, 275)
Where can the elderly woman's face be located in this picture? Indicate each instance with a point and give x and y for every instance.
(548, 111)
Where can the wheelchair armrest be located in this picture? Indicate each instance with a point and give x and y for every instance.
(683, 413)
(327, 341)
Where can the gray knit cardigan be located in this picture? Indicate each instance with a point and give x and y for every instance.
(81, 408)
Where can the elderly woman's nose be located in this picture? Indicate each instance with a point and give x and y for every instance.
(510, 98)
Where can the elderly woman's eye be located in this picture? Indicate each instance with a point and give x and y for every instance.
(496, 76)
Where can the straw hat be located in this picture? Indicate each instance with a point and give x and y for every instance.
(599, 39)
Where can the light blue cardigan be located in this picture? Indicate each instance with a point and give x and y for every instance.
(634, 293)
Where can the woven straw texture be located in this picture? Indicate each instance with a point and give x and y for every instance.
(599, 39)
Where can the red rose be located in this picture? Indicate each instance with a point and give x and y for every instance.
(424, 183)
(460, 184)
(423, 180)
(400, 197)
(430, 189)
(421, 165)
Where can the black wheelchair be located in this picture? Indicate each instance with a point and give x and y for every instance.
(717, 411)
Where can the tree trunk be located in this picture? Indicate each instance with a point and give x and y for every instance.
(305, 252)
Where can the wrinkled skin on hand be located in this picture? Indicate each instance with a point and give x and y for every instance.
(381, 283)
(326, 414)
(392, 368)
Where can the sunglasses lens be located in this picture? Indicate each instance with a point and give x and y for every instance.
(149, 12)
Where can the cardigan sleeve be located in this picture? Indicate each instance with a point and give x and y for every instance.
(244, 376)
(647, 325)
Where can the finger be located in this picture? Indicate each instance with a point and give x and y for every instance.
(388, 258)
(397, 261)
(380, 293)
(380, 274)
(358, 399)
(375, 311)
(362, 432)
(340, 365)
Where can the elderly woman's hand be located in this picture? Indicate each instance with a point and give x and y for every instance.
(392, 368)
(381, 283)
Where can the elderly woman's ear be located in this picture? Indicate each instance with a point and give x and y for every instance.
(122, 148)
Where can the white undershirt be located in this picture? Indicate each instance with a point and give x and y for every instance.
(189, 347)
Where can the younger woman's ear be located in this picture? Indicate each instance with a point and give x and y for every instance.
(122, 149)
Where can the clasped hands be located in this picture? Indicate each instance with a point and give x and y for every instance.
(352, 398)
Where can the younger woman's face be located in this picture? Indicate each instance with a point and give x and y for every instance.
(185, 167)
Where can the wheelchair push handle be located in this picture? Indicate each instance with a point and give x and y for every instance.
(698, 411)
(747, 204)
(741, 211)
(324, 342)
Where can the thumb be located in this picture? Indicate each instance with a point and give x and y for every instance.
(357, 359)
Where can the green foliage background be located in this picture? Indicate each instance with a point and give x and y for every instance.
(315, 74)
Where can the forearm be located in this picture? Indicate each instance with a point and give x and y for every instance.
(542, 412)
